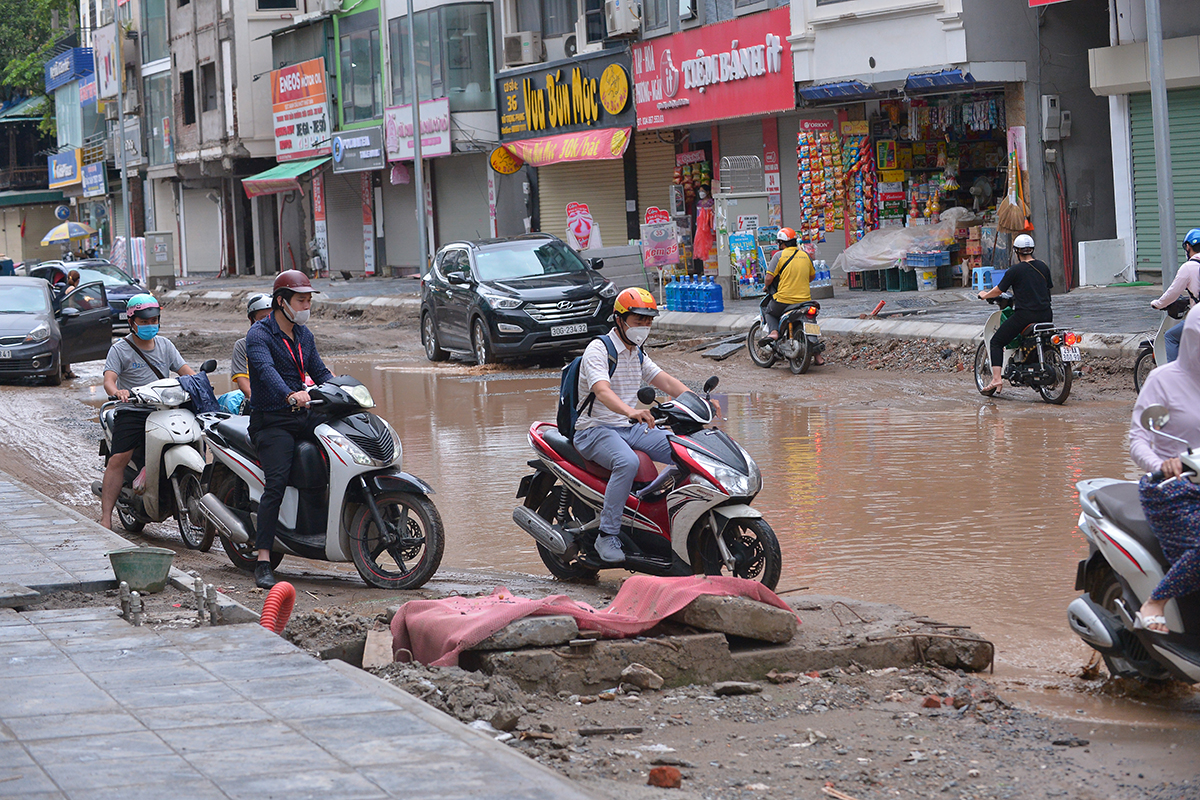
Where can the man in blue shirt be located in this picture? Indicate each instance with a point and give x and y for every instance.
(280, 351)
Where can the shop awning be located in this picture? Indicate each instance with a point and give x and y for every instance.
(31, 197)
(26, 110)
(283, 177)
(839, 90)
(600, 145)
(934, 81)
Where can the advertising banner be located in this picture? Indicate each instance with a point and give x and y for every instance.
(585, 146)
(660, 244)
(358, 150)
(368, 221)
(94, 183)
(435, 130)
(300, 110)
(320, 229)
(586, 93)
(63, 168)
(108, 61)
(738, 68)
(87, 91)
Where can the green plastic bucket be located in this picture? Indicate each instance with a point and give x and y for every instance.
(145, 569)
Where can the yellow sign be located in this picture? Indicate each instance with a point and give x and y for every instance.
(504, 162)
(858, 127)
(891, 176)
(614, 89)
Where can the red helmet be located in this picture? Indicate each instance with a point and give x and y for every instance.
(294, 281)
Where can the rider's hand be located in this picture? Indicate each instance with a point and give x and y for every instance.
(983, 295)
(642, 415)
(716, 404)
(122, 395)
(299, 399)
(1171, 468)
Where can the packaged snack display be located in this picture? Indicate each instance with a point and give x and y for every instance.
(861, 201)
(692, 176)
(820, 167)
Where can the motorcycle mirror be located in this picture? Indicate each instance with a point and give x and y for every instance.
(646, 395)
(209, 366)
(711, 384)
(1155, 418)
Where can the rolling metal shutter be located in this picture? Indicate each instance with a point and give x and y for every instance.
(655, 171)
(600, 184)
(343, 215)
(1184, 105)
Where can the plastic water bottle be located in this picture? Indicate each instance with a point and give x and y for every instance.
(669, 291)
(718, 298)
(681, 294)
(689, 295)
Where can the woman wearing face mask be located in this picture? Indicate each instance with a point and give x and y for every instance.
(702, 240)
(280, 350)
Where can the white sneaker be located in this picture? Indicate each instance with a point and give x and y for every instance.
(608, 548)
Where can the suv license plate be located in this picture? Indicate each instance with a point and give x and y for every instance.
(5, 353)
(812, 329)
(1070, 353)
(567, 330)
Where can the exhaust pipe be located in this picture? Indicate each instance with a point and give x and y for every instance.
(1088, 621)
(549, 536)
(224, 520)
(98, 488)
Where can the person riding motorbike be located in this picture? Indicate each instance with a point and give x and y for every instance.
(791, 269)
(1187, 279)
(1031, 283)
(140, 358)
(1176, 503)
(258, 306)
(280, 351)
(610, 431)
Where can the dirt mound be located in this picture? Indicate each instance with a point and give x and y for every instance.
(467, 696)
(321, 629)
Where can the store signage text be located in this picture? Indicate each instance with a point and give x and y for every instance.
(355, 151)
(567, 99)
(435, 130)
(64, 169)
(300, 110)
(93, 180)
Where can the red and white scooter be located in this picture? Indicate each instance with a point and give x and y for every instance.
(694, 517)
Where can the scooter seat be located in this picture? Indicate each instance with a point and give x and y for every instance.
(236, 431)
(561, 445)
(1120, 503)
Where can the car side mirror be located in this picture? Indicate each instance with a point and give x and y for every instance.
(458, 278)
(711, 384)
(68, 313)
(209, 366)
(1155, 418)
(646, 395)
(596, 263)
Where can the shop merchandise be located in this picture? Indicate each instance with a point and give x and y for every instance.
(820, 171)
(861, 208)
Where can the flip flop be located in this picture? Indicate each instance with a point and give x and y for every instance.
(1143, 623)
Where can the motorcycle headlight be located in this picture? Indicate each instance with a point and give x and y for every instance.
(39, 334)
(351, 449)
(398, 457)
(609, 290)
(362, 395)
(732, 481)
(173, 396)
(500, 301)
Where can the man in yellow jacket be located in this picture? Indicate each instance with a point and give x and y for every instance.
(791, 270)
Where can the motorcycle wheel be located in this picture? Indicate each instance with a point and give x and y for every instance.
(411, 560)
(559, 568)
(232, 493)
(195, 534)
(129, 521)
(1105, 591)
(1061, 390)
(762, 356)
(800, 364)
(752, 543)
(1142, 367)
(983, 368)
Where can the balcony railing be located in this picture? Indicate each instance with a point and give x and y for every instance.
(24, 177)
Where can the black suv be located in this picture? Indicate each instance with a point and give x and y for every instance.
(495, 298)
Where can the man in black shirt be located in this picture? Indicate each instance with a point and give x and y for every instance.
(1030, 282)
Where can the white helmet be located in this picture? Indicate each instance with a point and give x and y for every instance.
(1023, 242)
(256, 303)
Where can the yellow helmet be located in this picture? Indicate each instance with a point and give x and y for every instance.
(635, 301)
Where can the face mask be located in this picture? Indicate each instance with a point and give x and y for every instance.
(638, 335)
(703, 195)
(297, 317)
(147, 332)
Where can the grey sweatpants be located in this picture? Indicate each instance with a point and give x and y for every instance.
(612, 448)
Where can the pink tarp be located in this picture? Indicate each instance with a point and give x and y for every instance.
(436, 631)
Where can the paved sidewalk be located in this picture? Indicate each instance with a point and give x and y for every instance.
(92, 707)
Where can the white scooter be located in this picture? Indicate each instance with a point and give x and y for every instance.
(173, 459)
(1152, 352)
(1124, 565)
(346, 498)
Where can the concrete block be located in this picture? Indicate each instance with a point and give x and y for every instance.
(738, 616)
(378, 649)
(531, 632)
(14, 595)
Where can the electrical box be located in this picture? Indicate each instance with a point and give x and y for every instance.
(623, 17)
(1051, 118)
(160, 260)
(1064, 124)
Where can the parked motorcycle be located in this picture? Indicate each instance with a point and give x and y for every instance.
(1039, 358)
(695, 517)
(173, 458)
(1124, 565)
(799, 339)
(347, 498)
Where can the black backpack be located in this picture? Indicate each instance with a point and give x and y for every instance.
(569, 406)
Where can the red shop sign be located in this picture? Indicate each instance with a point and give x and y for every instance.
(733, 69)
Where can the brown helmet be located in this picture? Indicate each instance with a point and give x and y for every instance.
(293, 280)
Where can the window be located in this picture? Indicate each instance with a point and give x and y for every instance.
(275, 5)
(68, 115)
(86, 298)
(558, 17)
(361, 76)
(159, 146)
(454, 56)
(655, 13)
(187, 97)
(154, 30)
(183, 3)
(208, 87)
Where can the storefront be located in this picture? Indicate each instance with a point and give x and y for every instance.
(350, 211)
(572, 121)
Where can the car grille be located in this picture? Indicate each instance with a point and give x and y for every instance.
(573, 309)
(381, 449)
(11, 341)
(17, 365)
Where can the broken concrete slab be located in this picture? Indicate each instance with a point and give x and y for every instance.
(377, 651)
(532, 632)
(15, 595)
(642, 677)
(726, 688)
(739, 616)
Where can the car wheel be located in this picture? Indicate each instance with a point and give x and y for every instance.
(481, 345)
(55, 378)
(429, 340)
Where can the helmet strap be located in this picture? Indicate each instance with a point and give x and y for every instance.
(620, 326)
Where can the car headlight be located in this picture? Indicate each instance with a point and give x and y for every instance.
(39, 334)
(609, 290)
(500, 301)
(733, 482)
(361, 394)
(351, 449)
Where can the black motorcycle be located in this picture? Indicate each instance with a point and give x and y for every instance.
(1039, 358)
(799, 339)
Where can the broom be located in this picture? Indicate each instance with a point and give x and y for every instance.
(1012, 211)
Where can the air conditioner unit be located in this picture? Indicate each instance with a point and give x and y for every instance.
(111, 111)
(523, 47)
(132, 104)
(330, 6)
(582, 43)
(623, 17)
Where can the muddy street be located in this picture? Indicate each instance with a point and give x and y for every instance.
(882, 480)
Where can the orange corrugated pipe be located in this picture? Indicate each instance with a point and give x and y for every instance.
(278, 607)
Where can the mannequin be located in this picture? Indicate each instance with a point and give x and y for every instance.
(702, 236)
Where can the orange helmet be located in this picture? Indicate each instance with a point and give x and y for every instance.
(785, 235)
(635, 300)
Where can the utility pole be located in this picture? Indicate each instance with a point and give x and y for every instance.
(418, 167)
(1162, 143)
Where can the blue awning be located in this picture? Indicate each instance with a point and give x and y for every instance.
(947, 78)
(839, 90)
